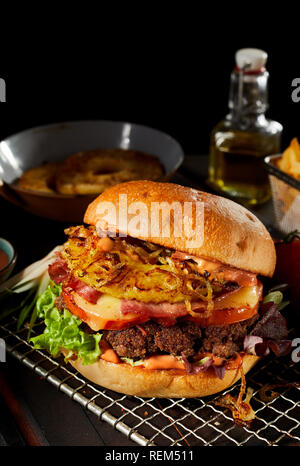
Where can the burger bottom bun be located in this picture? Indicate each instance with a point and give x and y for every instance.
(138, 381)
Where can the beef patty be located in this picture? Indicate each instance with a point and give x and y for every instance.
(139, 341)
(184, 338)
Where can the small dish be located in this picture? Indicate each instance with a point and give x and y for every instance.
(7, 248)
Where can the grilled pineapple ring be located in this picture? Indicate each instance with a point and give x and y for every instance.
(92, 172)
(130, 271)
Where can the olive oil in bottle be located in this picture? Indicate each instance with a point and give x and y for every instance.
(245, 137)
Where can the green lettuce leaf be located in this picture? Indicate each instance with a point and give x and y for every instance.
(47, 299)
(202, 361)
(62, 330)
(277, 298)
(132, 362)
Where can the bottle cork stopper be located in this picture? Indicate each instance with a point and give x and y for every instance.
(252, 59)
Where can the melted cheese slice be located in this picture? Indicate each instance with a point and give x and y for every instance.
(247, 296)
(106, 307)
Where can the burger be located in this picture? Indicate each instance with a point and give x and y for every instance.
(138, 307)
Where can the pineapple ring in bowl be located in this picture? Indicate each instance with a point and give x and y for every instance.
(41, 178)
(92, 172)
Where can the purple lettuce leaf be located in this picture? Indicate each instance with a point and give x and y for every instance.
(271, 325)
(194, 368)
(269, 333)
(250, 342)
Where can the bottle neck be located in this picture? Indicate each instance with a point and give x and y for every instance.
(248, 98)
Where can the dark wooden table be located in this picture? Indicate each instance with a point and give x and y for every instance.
(32, 411)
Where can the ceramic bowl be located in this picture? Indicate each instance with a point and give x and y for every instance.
(55, 142)
(9, 250)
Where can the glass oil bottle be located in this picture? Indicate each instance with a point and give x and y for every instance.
(245, 137)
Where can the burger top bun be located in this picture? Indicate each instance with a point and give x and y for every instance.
(231, 233)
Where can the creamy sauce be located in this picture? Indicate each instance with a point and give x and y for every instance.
(166, 361)
(109, 355)
(163, 362)
(4, 260)
(106, 244)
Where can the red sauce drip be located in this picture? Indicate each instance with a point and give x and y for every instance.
(3, 259)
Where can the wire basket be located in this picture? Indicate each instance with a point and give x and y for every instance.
(286, 196)
(180, 422)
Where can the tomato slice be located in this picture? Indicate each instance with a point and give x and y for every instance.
(72, 307)
(225, 316)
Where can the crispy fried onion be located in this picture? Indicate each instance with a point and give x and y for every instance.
(267, 393)
(135, 269)
(241, 409)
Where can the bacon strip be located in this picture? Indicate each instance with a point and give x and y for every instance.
(60, 273)
(159, 310)
(219, 271)
(85, 291)
(129, 306)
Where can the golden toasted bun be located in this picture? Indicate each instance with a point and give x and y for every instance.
(137, 381)
(231, 233)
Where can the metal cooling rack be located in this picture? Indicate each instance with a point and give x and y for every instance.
(180, 422)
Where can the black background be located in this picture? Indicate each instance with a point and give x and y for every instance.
(169, 74)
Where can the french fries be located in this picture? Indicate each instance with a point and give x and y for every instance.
(287, 198)
(290, 160)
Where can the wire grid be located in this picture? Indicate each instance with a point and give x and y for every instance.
(180, 422)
